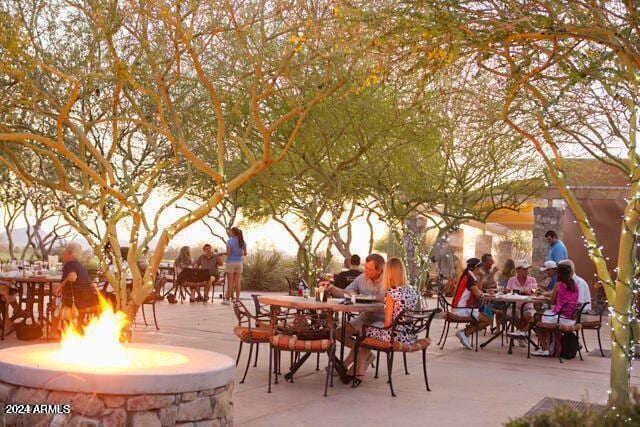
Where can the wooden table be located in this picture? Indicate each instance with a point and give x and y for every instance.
(333, 305)
(510, 300)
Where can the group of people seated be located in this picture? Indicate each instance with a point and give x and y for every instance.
(561, 285)
(211, 260)
(387, 282)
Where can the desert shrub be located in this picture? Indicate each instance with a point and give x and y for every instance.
(623, 415)
(266, 269)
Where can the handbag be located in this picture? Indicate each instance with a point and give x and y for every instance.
(28, 331)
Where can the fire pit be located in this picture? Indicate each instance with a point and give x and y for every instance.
(92, 379)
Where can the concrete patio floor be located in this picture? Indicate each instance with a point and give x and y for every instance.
(481, 389)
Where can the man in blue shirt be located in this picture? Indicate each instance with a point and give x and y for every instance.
(557, 249)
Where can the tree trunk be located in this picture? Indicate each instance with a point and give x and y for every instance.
(410, 237)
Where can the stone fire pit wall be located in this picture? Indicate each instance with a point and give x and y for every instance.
(211, 407)
(196, 390)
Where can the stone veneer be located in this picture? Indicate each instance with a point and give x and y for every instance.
(547, 218)
(204, 408)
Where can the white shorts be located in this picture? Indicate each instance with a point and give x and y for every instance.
(550, 317)
(466, 312)
(233, 267)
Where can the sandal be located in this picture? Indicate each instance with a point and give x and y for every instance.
(347, 379)
(357, 380)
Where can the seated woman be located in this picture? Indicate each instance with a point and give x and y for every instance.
(466, 301)
(183, 261)
(400, 297)
(564, 298)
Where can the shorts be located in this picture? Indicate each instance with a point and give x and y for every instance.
(233, 267)
(466, 312)
(550, 317)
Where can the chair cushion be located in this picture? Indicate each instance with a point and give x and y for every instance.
(565, 328)
(375, 344)
(591, 324)
(452, 317)
(253, 334)
(292, 343)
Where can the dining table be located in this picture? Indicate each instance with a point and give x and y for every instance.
(509, 300)
(34, 291)
(333, 306)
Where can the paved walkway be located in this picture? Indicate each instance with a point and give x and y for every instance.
(481, 389)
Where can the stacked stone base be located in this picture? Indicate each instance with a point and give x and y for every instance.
(204, 408)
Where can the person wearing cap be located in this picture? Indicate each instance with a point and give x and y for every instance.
(584, 293)
(557, 249)
(550, 276)
(524, 285)
(466, 301)
(565, 292)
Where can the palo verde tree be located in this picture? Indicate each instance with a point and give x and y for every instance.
(112, 95)
(565, 78)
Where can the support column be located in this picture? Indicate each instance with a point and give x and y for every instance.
(505, 251)
(483, 244)
(456, 241)
(545, 219)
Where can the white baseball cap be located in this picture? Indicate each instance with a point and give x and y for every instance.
(547, 265)
(523, 263)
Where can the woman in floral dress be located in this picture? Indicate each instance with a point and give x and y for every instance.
(400, 297)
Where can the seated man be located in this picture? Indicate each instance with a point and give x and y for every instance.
(77, 291)
(523, 284)
(367, 283)
(344, 278)
(550, 275)
(212, 262)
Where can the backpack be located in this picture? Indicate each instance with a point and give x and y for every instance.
(570, 345)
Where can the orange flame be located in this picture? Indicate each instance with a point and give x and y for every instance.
(99, 345)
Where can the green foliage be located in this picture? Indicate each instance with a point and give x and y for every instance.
(624, 414)
(266, 269)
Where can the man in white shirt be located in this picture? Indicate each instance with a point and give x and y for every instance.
(584, 293)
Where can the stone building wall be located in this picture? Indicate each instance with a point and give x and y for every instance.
(548, 218)
(205, 408)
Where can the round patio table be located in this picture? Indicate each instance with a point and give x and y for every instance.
(333, 305)
(34, 289)
(510, 300)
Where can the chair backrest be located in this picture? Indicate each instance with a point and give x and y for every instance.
(419, 321)
(260, 310)
(572, 310)
(292, 285)
(159, 284)
(443, 304)
(194, 275)
(243, 314)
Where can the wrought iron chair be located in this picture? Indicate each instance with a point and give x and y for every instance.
(541, 323)
(593, 321)
(192, 278)
(301, 333)
(248, 333)
(152, 298)
(4, 313)
(413, 322)
(450, 317)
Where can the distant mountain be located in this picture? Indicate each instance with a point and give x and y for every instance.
(20, 238)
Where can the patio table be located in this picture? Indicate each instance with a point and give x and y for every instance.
(510, 300)
(333, 305)
(34, 289)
